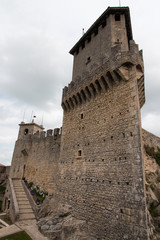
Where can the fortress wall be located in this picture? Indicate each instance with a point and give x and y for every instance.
(101, 173)
(35, 158)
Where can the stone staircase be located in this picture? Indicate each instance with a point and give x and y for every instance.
(25, 209)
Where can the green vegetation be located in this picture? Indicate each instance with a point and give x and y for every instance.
(153, 211)
(38, 194)
(153, 153)
(17, 236)
(2, 188)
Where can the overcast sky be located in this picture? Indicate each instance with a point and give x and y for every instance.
(35, 38)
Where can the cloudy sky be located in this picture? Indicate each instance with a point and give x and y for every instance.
(35, 38)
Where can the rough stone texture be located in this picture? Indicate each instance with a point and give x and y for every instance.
(63, 226)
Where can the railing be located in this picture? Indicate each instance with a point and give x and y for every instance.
(31, 200)
(14, 209)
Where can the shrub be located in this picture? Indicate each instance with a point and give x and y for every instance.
(151, 152)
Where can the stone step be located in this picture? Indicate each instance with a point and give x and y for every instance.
(26, 210)
(25, 202)
(19, 189)
(22, 200)
(24, 206)
(26, 216)
(20, 194)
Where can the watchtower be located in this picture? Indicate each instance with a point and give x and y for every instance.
(101, 163)
(29, 128)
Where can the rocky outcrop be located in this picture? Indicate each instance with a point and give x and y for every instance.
(61, 225)
(152, 183)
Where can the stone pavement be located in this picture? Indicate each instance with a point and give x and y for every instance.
(9, 230)
(30, 227)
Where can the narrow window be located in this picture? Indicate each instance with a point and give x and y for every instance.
(96, 32)
(83, 45)
(79, 153)
(26, 131)
(82, 116)
(103, 24)
(117, 17)
(89, 39)
(77, 51)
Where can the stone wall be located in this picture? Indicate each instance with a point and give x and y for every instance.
(35, 158)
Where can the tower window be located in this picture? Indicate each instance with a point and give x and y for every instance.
(96, 32)
(77, 51)
(89, 39)
(103, 24)
(82, 116)
(79, 153)
(83, 45)
(26, 131)
(117, 17)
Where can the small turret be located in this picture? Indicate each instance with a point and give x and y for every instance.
(29, 128)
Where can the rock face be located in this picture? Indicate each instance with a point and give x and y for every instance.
(152, 183)
(61, 225)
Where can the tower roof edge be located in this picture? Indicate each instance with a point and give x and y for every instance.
(99, 21)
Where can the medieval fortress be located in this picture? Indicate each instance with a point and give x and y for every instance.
(95, 161)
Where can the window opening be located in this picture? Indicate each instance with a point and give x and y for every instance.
(83, 45)
(82, 116)
(103, 24)
(89, 39)
(77, 51)
(117, 17)
(96, 32)
(79, 153)
(26, 131)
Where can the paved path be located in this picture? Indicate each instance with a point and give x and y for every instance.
(9, 230)
(30, 227)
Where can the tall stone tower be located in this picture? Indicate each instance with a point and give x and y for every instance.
(101, 165)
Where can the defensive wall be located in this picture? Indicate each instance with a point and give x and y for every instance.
(35, 158)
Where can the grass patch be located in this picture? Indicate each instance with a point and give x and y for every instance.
(17, 236)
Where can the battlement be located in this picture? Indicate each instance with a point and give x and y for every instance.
(111, 72)
(39, 135)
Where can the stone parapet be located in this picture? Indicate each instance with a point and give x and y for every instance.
(111, 72)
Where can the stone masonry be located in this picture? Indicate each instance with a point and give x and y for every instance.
(95, 164)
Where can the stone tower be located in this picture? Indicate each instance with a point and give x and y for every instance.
(20, 154)
(101, 165)
(29, 128)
